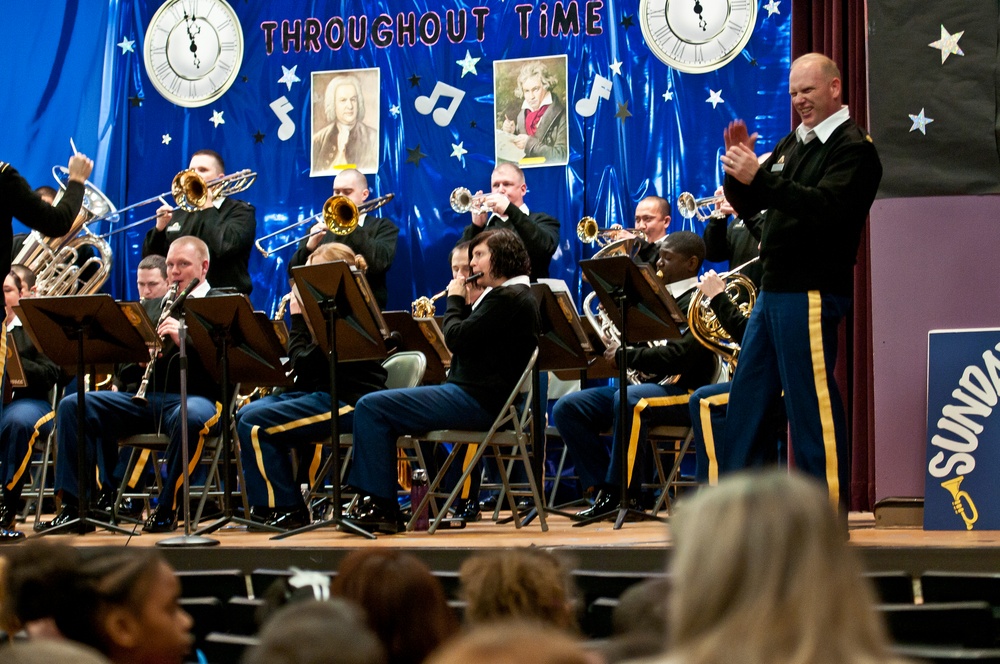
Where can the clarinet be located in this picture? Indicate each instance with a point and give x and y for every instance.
(168, 301)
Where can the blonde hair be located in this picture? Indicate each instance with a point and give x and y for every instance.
(512, 642)
(761, 574)
(196, 243)
(332, 251)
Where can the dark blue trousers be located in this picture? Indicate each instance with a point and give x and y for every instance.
(790, 344)
(708, 420)
(382, 417)
(24, 424)
(582, 417)
(111, 416)
(269, 428)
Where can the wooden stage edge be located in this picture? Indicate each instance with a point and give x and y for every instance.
(636, 547)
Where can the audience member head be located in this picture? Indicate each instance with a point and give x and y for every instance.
(36, 581)
(526, 584)
(639, 622)
(499, 255)
(50, 651)
(760, 573)
(187, 258)
(126, 604)
(27, 276)
(404, 604)
(330, 252)
(314, 632)
(46, 193)
(681, 254)
(151, 277)
(652, 217)
(513, 642)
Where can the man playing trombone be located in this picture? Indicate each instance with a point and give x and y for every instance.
(228, 226)
(374, 238)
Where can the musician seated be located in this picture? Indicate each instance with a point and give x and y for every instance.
(269, 427)
(27, 415)
(151, 282)
(113, 416)
(228, 226)
(374, 238)
(491, 343)
(582, 416)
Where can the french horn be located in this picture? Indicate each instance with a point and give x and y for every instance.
(704, 323)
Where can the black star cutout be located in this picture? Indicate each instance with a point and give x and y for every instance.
(258, 137)
(414, 81)
(623, 112)
(472, 124)
(414, 155)
(753, 61)
(246, 79)
(627, 21)
(136, 100)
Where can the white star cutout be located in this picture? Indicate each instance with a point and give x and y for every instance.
(166, 139)
(468, 64)
(457, 151)
(948, 44)
(715, 98)
(394, 110)
(217, 118)
(920, 121)
(772, 7)
(668, 95)
(288, 76)
(126, 45)
(616, 68)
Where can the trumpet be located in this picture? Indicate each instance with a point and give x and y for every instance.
(340, 216)
(423, 307)
(462, 200)
(190, 192)
(956, 501)
(702, 208)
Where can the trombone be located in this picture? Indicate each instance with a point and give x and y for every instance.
(190, 193)
(340, 216)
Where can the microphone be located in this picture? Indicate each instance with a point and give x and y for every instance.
(183, 296)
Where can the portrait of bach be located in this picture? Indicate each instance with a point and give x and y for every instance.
(347, 140)
(540, 127)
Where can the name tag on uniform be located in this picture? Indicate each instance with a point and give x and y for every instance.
(776, 168)
(176, 226)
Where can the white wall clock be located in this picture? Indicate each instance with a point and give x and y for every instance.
(697, 36)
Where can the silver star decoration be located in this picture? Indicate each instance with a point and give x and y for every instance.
(616, 68)
(126, 45)
(468, 64)
(715, 98)
(394, 110)
(288, 76)
(217, 118)
(166, 139)
(668, 95)
(920, 121)
(948, 44)
(458, 151)
(772, 7)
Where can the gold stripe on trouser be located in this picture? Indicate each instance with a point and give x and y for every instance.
(653, 402)
(140, 465)
(196, 457)
(281, 428)
(3, 354)
(823, 395)
(708, 434)
(19, 473)
(314, 462)
(470, 454)
(404, 476)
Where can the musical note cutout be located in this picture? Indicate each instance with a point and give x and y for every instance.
(442, 116)
(601, 89)
(281, 107)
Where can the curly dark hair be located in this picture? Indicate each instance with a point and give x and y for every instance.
(509, 258)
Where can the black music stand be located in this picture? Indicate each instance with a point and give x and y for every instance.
(235, 346)
(643, 310)
(354, 330)
(75, 331)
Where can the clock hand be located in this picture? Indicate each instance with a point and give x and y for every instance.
(193, 29)
(701, 19)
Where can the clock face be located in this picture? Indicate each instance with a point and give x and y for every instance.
(697, 36)
(193, 50)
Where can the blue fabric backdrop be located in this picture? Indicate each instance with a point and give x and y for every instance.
(70, 78)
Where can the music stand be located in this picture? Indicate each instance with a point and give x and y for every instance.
(75, 331)
(235, 347)
(643, 310)
(424, 335)
(354, 330)
(13, 369)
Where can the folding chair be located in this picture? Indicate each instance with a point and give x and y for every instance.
(35, 491)
(511, 430)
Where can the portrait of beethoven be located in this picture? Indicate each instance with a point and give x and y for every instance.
(345, 121)
(531, 125)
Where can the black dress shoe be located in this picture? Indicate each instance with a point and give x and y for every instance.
(66, 514)
(162, 520)
(10, 536)
(368, 515)
(260, 514)
(605, 503)
(288, 519)
(489, 503)
(468, 510)
(7, 516)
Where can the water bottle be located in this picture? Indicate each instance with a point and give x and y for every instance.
(418, 489)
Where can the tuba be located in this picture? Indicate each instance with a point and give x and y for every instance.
(704, 323)
(56, 260)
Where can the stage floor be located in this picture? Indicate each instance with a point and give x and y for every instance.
(636, 547)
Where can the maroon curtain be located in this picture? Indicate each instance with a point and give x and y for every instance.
(837, 28)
